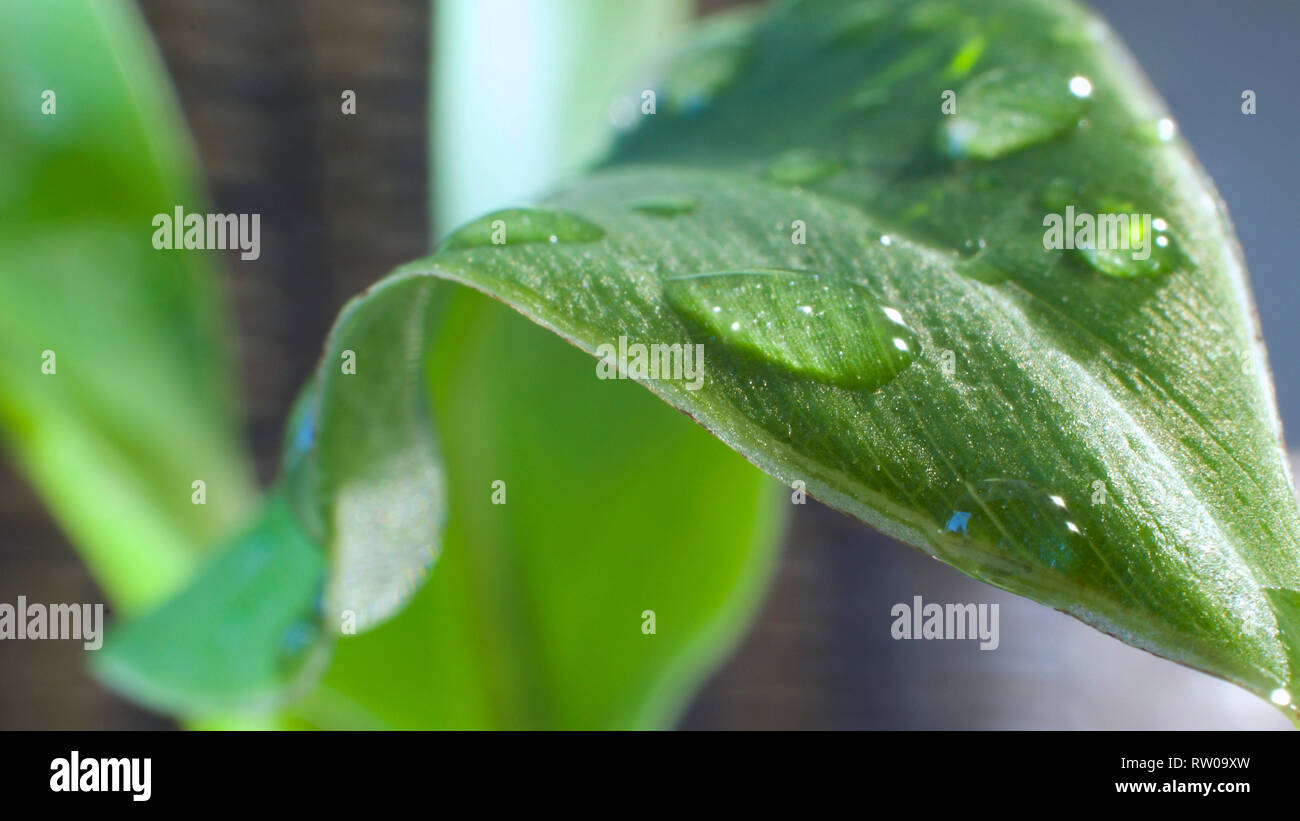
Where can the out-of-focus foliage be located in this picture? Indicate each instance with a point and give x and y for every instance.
(138, 404)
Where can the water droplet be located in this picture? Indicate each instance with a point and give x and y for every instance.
(982, 270)
(520, 226)
(1019, 526)
(1112, 235)
(802, 166)
(666, 206)
(1006, 110)
(1135, 246)
(1158, 131)
(1280, 697)
(805, 325)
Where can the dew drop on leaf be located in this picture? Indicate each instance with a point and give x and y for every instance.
(1006, 110)
(521, 226)
(1148, 249)
(1019, 520)
(812, 327)
(981, 269)
(665, 206)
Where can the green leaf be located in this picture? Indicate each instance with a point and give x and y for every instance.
(238, 637)
(361, 463)
(1089, 429)
(612, 505)
(138, 405)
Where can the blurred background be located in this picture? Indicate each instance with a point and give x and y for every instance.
(345, 199)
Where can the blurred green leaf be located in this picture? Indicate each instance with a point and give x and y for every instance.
(238, 637)
(139, 403)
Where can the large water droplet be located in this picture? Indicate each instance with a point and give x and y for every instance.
(802, 166)
(1018, 525)
(1006, 110)
(520, 226)
(802, 323)
(669, 205)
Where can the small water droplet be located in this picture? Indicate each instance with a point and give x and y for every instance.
(1280, 697)
(982, 270)
(802, 166)
(1151, 249)
(1006, 110)
(520, 226)
(665, 206)
(827, 329)
(1018, 526)
(1158, 131)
